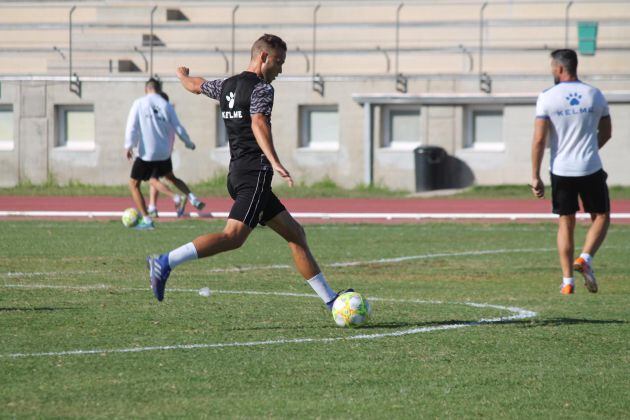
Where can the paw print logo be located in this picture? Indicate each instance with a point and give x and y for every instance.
(574, 98)
(230, 99)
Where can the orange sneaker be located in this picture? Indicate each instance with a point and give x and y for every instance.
(587, 272)
(567, 289)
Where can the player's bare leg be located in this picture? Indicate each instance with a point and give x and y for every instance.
(146, 222)
(181, 185)
(286, 226)
(179, 201)
(596, 233)
(566, 228)
(136, 195)
(233, 236)
(161, 187)
(153, 198)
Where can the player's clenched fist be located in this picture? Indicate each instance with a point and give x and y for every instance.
(182, 71)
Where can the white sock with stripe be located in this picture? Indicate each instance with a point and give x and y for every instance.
(321, 287)
(568, 280)
(182, 254)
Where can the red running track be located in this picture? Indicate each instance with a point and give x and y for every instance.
(324, 205)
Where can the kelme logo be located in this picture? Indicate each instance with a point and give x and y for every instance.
(574, 99)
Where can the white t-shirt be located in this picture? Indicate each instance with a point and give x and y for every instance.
(574, 110)
(151, 126)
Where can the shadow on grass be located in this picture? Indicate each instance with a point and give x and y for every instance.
(371, 325)
(556, 322)
(524, 323)
(36, 309)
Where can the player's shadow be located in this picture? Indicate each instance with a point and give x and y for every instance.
(36, 309)
(402, 324)
(524, 323)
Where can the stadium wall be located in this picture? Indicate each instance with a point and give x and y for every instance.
(441, 48)
(36, 155)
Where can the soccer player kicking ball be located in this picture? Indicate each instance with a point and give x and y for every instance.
(576, 117)
(246, 101)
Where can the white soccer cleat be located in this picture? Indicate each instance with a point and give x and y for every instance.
(585, 268)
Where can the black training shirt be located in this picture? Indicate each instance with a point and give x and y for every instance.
(240, 97)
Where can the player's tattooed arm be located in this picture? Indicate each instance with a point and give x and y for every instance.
(262, 132)
(191, 84)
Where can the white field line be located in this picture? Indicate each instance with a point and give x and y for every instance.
(517, 313)
(317, 215)
(395, 260)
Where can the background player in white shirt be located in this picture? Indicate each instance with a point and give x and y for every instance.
(158, 186)
(576, 118)
(150, 126)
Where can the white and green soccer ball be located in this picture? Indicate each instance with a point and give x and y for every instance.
(130, 217)
(351, 310)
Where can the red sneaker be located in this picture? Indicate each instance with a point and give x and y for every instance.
(567, 289)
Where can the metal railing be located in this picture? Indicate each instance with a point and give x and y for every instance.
(398, 23)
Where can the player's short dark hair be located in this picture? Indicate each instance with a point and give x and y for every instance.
(566, 58)
(154, 84)
(268, 43)
(164, 95)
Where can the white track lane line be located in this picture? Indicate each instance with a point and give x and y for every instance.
(14, 274)
(318, 215)
(517, 314)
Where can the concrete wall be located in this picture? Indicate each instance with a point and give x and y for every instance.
(35, 157)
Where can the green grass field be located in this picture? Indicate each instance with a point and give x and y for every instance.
(69, 286)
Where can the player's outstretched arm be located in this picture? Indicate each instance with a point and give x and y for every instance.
(262, 132)
(178, 127)
(191, 84)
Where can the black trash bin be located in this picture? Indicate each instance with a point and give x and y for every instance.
(431, 168)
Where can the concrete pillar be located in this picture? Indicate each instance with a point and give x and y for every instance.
(33, 125)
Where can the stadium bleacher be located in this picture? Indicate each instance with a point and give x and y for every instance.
(443, 48)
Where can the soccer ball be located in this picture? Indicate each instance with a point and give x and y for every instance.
(130, 217)
(351, 310)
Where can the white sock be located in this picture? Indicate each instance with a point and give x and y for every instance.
(192, 197)
(182, 254)
(321, 287)
(587, 258)
(151, 208)
(568, 280)
(177, 199)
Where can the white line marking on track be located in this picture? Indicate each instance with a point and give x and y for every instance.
(13, 274)
(517, 314)
(317, 215)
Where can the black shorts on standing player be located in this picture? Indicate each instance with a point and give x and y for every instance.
(143, 170)
(591, 189)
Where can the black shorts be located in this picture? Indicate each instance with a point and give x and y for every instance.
(254, 202)
(143, 170)
(592, 190)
